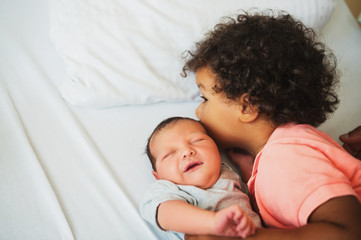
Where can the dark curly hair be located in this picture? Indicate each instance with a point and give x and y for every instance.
(276, 60)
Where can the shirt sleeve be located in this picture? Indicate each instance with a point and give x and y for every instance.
(159, 192)
(293, 180)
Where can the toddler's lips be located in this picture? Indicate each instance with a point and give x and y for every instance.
(192, 166)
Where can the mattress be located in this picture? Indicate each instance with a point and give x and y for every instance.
(77, 172)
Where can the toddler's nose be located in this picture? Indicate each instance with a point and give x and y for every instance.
(198, 112)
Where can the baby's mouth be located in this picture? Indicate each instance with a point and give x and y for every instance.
(192, 166)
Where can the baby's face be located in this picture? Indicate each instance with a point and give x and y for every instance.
(186, 155)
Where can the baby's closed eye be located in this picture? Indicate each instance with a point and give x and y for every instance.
(197, 140)
(168, 155)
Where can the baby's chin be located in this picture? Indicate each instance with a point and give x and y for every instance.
(207, 182)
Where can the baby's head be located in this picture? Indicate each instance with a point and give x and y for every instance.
(276, 62)
(181, 151)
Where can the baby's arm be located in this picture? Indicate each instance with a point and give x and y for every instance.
(179, 216)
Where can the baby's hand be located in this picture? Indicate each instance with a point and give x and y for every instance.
(233, 221)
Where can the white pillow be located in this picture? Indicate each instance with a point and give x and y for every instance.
(120, 52)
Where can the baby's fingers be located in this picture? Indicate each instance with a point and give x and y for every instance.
(246, 227)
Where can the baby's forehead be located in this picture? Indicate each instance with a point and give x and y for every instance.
(184, 126)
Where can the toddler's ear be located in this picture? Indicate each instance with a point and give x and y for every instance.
(248, 112)
(155, 174)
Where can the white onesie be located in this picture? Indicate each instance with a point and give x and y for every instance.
(226, 191)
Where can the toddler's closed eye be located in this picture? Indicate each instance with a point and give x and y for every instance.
(204, 99)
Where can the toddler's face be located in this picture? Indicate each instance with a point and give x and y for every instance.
(186, 155)
(218, 114)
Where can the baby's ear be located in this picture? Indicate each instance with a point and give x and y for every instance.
(155, 174)
(248, 112)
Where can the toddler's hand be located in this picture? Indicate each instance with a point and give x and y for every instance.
(233, 221)
(352, 142)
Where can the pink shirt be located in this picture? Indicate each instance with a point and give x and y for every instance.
(299, 169)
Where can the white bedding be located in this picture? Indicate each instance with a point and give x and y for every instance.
(117, 53)
(70, 172)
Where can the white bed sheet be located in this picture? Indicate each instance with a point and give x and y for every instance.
(75, 173)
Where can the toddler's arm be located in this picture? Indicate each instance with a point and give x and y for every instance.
(244, 161)
(179, 216)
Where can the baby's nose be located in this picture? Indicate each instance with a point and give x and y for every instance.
(188, 152)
